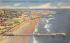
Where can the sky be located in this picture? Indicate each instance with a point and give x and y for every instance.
(34, 3)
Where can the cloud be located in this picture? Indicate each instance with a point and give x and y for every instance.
(11, 7)
(17, 4)
(47, 5)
